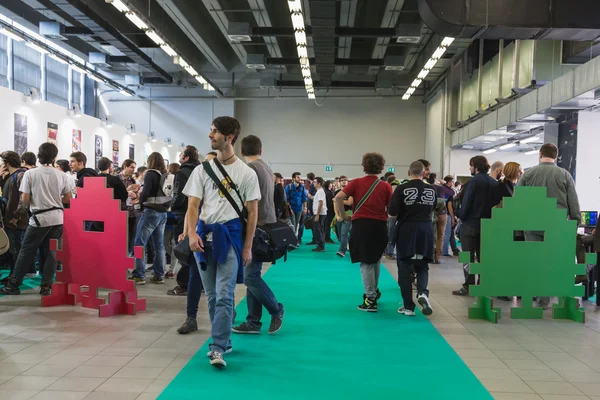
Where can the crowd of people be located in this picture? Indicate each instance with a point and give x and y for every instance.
(215, 207)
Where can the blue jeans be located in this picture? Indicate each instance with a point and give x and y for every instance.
(343, 229)
(15, 238)
(219, 285)
(258, 294)
(449, 239)
(151, 226)
(298, 222)
(194, 289)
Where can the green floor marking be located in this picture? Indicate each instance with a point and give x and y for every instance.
(327, 349)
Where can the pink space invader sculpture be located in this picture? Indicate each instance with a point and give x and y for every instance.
(95, 259)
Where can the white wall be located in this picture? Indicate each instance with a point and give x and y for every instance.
(186, 121)
(38, 116)
(459, 160)
(298, 135)
(435, 128)
(588, 143)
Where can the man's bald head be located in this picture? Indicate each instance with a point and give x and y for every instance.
(496, 170)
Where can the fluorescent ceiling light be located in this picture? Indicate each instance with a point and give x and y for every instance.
(94, 77)
(155, 38)
(416, 83)
(423, 74)
(430, 64)
(529, 140)
(137, 21)
(126, 93)
(11, 35)
(303, 61)
(532, 152)
(302, 51)
(308, 81)
(120, 6)
(309, 87)
(57, 58)
(210, 88)
(169, 50)
(467, 147)
(205, 86)
(200, 79)
(295, 6)
(306, 73)
(37, 48)
(490, 151)
(78, 69)
(406, 96)
(508, 146)
(300, 37)
(447, 41)
(191, 70)
(177, 60)
(410, 90)
(438, 53)
(298, 21)
(311, 96)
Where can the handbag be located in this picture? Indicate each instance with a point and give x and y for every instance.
(4, 241)
(182, 252)
(309, 222)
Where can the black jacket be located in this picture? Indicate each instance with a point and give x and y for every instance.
(279, 197)
(151, 185)
(119, 191)
(329, 202)
(478, 199)
(504, 189)
(180, 200)
(82, 174)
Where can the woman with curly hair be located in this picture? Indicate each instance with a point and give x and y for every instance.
(369, 235)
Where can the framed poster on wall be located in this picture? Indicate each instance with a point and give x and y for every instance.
(76, 142)
(115, 153)
(52, 133)
(20, 133)
(98, 149)
(132, 152)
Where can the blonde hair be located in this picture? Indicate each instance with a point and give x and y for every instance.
(511, 171)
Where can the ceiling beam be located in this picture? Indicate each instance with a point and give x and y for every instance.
(390, 18)
(263, 20)
(347, 18)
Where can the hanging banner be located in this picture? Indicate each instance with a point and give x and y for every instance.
(76, 143)
(20, 133)
(98, 149)
(52, 133)
(115, 153)
(132, 151)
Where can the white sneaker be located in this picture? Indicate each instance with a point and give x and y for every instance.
(423, 301)
(229, 350)
(217, 360)
(405, 311)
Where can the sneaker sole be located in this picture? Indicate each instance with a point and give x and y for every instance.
(426, 310)
(228, 351)
(158, 282)
(218, 363)
(340, 255)
(274, 332)
(408, 315)
(246, 332)
(187, 332)
(366, 310)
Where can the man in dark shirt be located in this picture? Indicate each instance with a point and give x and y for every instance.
(449, 238)
(412, 205)
(330, 211)
(279, 195)
(114, 182)
(78, 161)
(477, 203)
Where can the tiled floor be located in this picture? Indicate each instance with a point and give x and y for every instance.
(68, 353)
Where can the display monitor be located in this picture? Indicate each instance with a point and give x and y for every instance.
(589, 218)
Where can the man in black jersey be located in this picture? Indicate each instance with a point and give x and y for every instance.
(412, 204)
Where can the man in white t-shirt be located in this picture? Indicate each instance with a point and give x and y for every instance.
(45, 190)
(320, 212)
(216, 237)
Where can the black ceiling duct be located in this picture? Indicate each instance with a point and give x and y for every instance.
(323, 17)
(513, 19)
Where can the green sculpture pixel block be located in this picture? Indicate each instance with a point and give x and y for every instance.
(546, 267)
(484, 309)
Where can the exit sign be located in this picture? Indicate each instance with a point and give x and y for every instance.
(328, 168)
(392, 169)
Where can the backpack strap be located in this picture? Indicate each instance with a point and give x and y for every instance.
(211, 173)
(367, 195)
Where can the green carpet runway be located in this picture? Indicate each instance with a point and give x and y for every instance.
(327, 349)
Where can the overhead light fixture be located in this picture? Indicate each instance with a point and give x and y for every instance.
(126, 93)
(152, 136)
(137, 21)
(205, 86)
(78, 69)
(11, 34)
(529, 140)
(169, 142)
(306, 73)
(447, 41)
(76, 110)
(311, 96)
(430, 64)
(406, 96)
(191, 70)
(130, 129)
(57, 58)
(508, 146)
(410, 91)
(95, 78)
(308, 81)
(155, 38)
(302, 51)
(439, 52)
(300, 37)
(423, 74)
(295, 6)
(304, 61)
(118, 4)
(35, 47)
(210, 88)
(200, 79)
(34, 94)
(490, 151)
(108, 121)
(298, 21)
(532, 152)
(178, 60)
(169, 50)
(416, 83)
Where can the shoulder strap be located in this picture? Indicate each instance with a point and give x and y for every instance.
(367, 195)
(228, 179)
(217, 181)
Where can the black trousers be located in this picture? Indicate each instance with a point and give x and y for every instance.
(327, 227)
(471, 241)
(183, 275)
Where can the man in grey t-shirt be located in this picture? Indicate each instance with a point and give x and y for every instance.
(258, 293)
(45, 190)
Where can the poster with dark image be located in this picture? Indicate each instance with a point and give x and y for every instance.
(567, 146)
(52, 133)
(115, 152)
(166, 163)
(132, 151)
(20, 133)
(98, 150)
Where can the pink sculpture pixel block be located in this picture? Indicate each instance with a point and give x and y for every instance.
(95, 259)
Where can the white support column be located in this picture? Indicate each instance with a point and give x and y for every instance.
(70, 87)
(10, 73)
(43, 88)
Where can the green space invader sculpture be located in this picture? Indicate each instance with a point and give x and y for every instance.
(528, 268)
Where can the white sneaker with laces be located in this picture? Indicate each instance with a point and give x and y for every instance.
(423, 301)
(216, 359)
(406, 312)
(229, 350)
